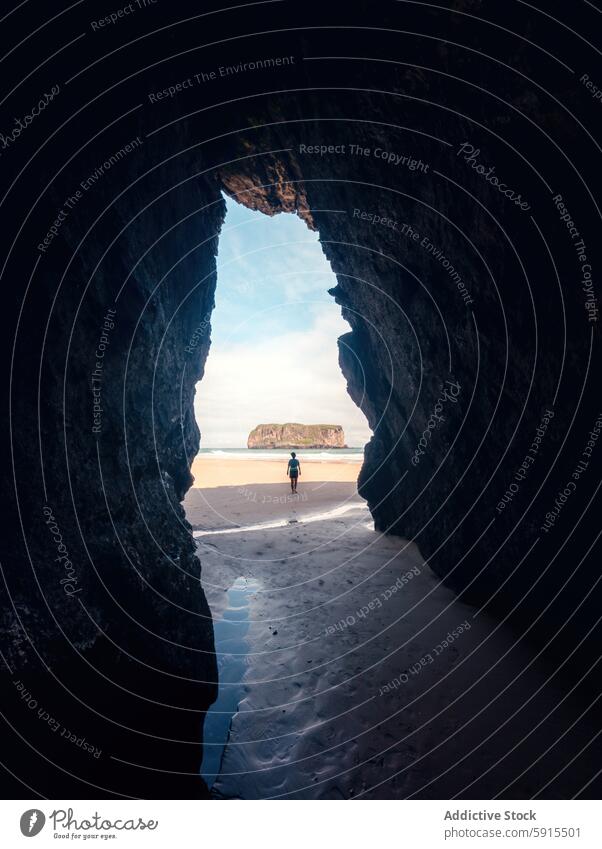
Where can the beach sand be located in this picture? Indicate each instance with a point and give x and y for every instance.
(253, 503)
(349, 671)
(211, 471)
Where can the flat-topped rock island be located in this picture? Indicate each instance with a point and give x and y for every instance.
(294, 435)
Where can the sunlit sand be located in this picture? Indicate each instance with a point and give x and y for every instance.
(212, 471)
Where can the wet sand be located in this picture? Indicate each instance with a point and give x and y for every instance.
(254, 503)
(362, 676)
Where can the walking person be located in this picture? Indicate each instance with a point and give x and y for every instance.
(293, 470)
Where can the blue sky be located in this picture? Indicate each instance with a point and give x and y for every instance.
(273, 355)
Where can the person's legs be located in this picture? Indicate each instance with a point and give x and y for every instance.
(294, 483)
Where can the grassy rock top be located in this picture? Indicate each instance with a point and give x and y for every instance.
(296, 435)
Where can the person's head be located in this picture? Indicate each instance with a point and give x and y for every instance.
(293, 455)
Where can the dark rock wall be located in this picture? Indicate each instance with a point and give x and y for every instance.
(120, 654)
(490, 356)
(123, 622)
(456, 381)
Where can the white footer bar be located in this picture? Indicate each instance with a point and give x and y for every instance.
(291, 825)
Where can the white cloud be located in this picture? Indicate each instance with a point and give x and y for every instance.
(274, 355)
(290, 377)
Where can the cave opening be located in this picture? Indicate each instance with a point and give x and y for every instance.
(273, 356)
(273, 360)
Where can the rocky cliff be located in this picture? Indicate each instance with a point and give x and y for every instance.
(294, 435)
(471, 321)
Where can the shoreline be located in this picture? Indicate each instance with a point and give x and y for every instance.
(212, 471)
(220, 507)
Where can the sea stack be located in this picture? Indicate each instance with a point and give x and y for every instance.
(295, 435)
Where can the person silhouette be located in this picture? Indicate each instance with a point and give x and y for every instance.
(293, 470)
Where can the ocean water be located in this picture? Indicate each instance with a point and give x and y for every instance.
(349, 455)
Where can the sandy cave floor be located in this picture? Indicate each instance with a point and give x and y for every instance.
(356, 674)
